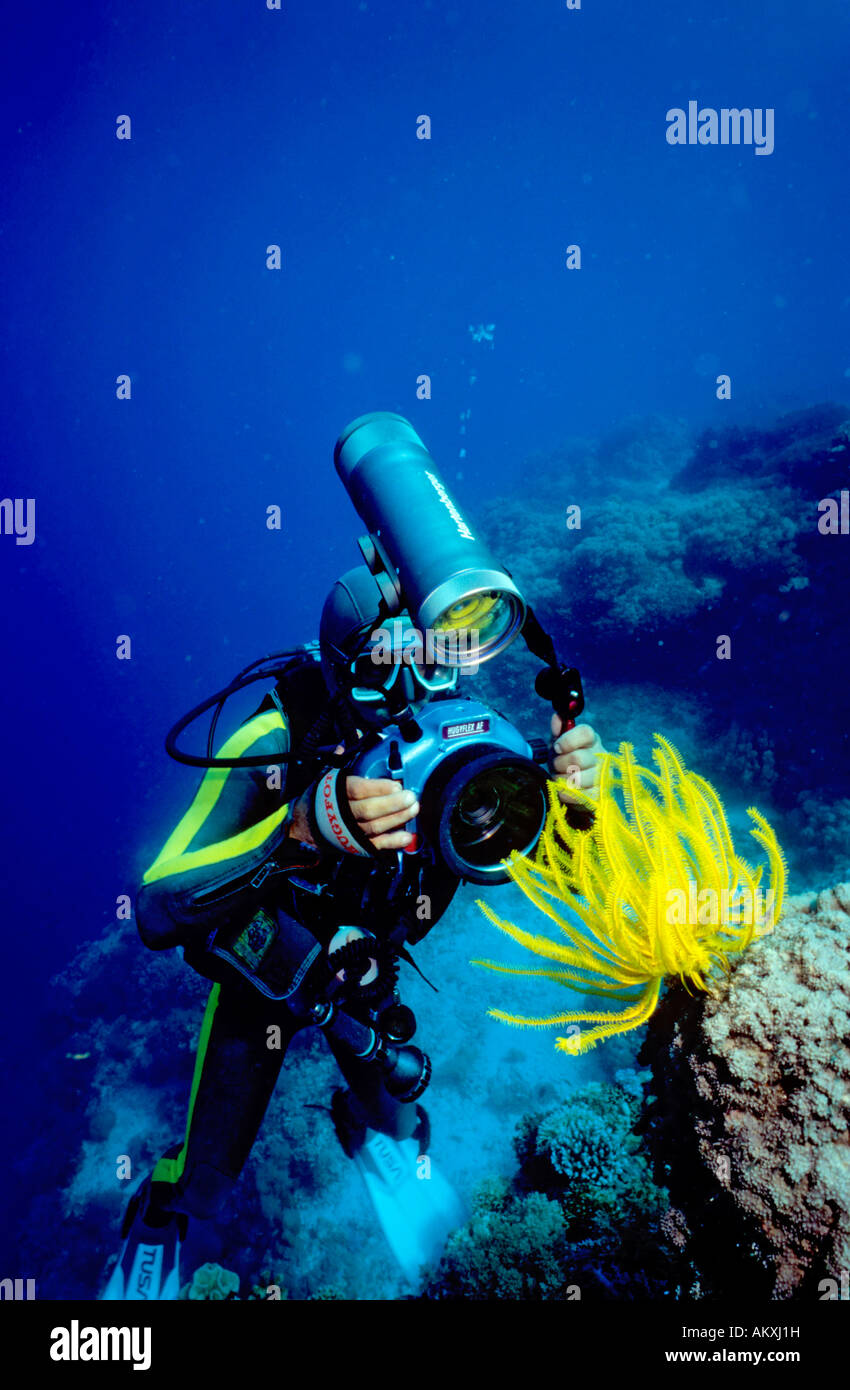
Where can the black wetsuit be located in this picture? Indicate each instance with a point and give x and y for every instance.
(228, 880)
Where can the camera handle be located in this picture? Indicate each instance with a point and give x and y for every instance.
(557, 682)
(561, 685)
(395, 771)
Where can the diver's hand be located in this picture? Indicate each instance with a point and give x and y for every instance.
(576, 756)
(299, 826)
(379, 806)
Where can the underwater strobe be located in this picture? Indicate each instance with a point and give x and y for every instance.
(422, 552)
(429, 604)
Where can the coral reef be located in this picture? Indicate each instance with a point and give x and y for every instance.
(585, 1152)
(270, 1288)
(749, 757)
(799, 448)
(750, 1109)
(211, 1282)
(821, 833)
(721, 541)
(514, 1247)
(582, 1218)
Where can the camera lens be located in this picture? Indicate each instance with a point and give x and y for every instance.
(489, 803)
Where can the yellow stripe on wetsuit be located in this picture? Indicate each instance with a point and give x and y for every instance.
(175, 856)
(171, 1169)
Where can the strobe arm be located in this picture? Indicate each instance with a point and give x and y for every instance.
(557, 683)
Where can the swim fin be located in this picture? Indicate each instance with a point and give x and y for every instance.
(415, 1205)
(148, 1266)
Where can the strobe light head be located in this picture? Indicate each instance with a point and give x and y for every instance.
(422, 550)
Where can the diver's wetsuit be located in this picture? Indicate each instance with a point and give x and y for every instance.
(230, 868)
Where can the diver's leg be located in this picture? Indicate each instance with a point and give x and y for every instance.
(235, 1074)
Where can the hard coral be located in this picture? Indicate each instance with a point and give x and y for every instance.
(513, 1251)
(212, 1282)
(585, 1151)
(823, 832)
(793, 448)
(582, 1217)
(749, 1125)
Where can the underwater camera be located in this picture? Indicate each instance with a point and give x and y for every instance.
(481, 792)
(426, 607)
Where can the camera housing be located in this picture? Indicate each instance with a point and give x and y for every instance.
(481, 792)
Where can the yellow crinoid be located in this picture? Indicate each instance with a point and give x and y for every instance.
(655, 888)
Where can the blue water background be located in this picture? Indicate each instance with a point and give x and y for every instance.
(147, 257)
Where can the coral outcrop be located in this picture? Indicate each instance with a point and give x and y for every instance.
(211, 1283)
(750, 1109)
(582, 1219)
(726, 544)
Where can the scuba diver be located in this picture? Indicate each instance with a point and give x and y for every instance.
(328, 835)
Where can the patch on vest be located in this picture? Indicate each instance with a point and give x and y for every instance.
(253, 942)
